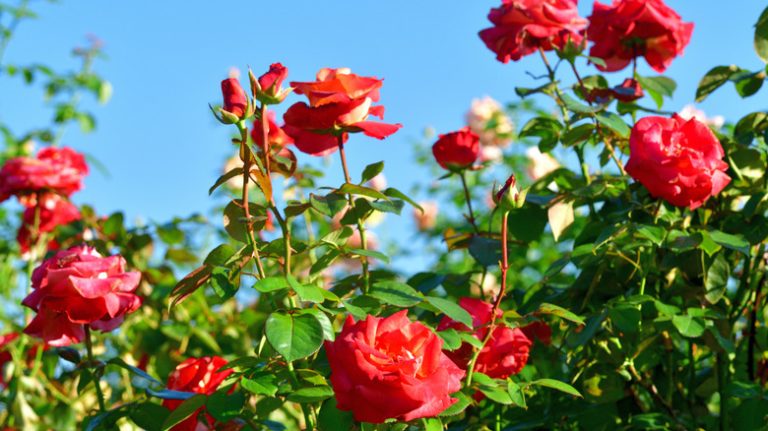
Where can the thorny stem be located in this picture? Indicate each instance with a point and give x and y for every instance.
(245, 201)
(96, 373)
(497, 304)
(360, 224)
(467, 197)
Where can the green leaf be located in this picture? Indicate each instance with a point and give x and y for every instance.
(613, 122)
(527, 223)
(220, 255)
(578, 134)
(260, 384)
(451, 339)
(451, 309)
(134, 370)
(236, 224)
(548, 129)
(546, 88)
(224, 178)
(354, 189)
(558, 385)
(561, 312)
(486, 251)
(333, 419)
(307, 292)
(516, 394)
(653, 233)
(747, 83)
(761, 36)
(733, 242)
(372, 170)
(432, 424)
(574, 105)
(397, 194)
(294, 336)
(370, 253)
(184, 410)
(328, 205)
(463, 401)
(689, 326)
(625, 318)
(148, 416)
(657, 86)
(395, 293)
(717, 279)
(714, 79)
(271, 284)
(310, 394)
(223, 406)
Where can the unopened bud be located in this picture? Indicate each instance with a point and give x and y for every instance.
(508, 197)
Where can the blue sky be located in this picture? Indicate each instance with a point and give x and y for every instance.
(166, 58)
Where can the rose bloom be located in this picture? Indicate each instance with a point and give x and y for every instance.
(235, 99)
(487, 119)
(55, 170)
(680, 161)
(538, 330)
(522, 27)
(270, 84)
(542, 164)
(637, 28)
(78, 287)
(506, 352)
(201, 376)
(54, 211)
(691, 111)
(457, 150)
(276, 135)
(426, 220)
(384, 368)
(340, 103)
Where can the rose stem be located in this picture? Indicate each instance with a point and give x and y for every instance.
(246, 203)
(360, 225)
(96, 376)
(467, 197)
(492, 325)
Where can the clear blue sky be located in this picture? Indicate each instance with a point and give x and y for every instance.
(166, 58)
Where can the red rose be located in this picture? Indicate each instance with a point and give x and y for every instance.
(78, 287)
(521, 27)
(538, 330)
(339, 103)
(629, 91)
(276, 135)
(56, 170)
(633, 28)
(235, 99)
(5, 355)
(391, 367)
(457, 149)
(54, 211)
(201, 376)
(680, 161)
(506, 352)
(269, 89)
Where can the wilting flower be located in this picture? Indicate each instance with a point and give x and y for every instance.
(637, 28)
(384, 368)
(680, 161)
(54, 211)
(78, 287)
(201, 376)
(505, 353)
(489, 121)
(457, 150)
(629, 91)
(54, 170)
(340, 103)
(522, 27)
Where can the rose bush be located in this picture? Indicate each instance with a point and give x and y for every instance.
(587, 258)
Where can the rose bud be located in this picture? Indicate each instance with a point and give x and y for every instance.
(680, 161)
(508, 197)
(391, 368)
(236, 105)
(628, 29)
(78, 287)
(201, 376)
(523, 27)
(54, 170)
(457, 150)
(506, 352)
(268, 87)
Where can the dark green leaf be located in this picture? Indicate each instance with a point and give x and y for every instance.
(558, 385)
(224, 178)
(184, 410)
(372, 170)
(395, 293)
(451, 309)
(713, 80)
(761, 36)
(294, 336)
